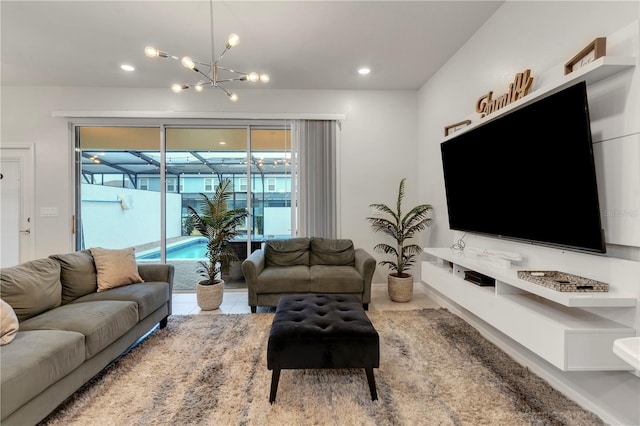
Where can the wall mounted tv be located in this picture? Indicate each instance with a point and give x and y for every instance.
(528, 175)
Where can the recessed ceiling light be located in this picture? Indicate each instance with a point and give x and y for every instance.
(222, 143)
(364, 71)
(127, 67)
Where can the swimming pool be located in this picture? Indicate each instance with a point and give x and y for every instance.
(196, 248)
(191, 249)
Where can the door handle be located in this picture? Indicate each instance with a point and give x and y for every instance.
(26, 231)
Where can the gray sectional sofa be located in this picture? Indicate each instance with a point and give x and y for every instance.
(307, 265)
(69, 330)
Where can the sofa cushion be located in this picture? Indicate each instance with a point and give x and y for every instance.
(288, 279)
(31, 287)
(149, 296)
(8, 323)
(115, 267)
(327, 251)
(34, 361)
(291, 252)
(101, 322)
(77, 274)
(335, 279)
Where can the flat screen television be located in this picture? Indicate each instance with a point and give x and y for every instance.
(528, 175)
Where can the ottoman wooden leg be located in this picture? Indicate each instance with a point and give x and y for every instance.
(372, 383)
(275, 378)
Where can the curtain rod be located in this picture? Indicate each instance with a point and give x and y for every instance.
(181, 114)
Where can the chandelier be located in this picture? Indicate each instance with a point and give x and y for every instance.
(210, 73)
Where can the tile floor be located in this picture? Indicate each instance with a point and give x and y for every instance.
(235, 302)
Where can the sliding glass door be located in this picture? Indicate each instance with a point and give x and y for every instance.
(271, 184)
(121, 190)
(115, 205)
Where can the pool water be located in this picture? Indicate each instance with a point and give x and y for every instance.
(194, 249)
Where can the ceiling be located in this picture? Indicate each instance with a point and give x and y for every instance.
(300, 44)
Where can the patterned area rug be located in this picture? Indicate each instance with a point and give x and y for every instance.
(211, 370)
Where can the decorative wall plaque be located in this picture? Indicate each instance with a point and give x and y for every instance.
(593, 51)
(519, 88)
(451, 128)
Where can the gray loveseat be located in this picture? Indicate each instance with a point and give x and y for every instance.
(307, 265)
(68, 330)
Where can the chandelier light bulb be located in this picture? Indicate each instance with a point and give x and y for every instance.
(151, 52)
(233, 40)
(187, 62)
(253, 77)
(233, 97)
(177, 88)
(199, 87)
(265, 78)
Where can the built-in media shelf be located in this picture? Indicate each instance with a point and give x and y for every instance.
(550, 323)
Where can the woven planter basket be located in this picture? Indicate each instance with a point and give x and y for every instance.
(400, 289)
(210, 296)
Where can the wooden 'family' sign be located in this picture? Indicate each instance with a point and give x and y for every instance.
(519, 88)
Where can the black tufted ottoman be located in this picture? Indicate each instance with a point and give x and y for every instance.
(322, 331)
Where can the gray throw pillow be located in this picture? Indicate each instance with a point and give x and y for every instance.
(292, 252)
(77, 274)
(329, 251)
(32, 287)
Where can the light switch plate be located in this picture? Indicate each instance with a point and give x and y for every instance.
(48, 211)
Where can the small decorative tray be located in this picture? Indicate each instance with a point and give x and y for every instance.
(561, 281)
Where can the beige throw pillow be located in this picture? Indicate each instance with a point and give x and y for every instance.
(115, 267)
(8, 323)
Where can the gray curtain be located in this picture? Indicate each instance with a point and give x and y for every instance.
(318, 188)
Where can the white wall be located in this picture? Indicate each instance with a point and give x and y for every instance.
(109, 222)
(277, 221)
(542, 36)
(378, 143)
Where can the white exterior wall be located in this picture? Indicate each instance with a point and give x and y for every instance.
(133, 216)
(542, 36)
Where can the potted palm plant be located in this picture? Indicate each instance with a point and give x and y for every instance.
(401, 228)
(219, 226)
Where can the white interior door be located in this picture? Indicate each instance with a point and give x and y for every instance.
(16, 194)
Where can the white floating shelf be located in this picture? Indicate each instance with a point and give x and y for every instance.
(599, 69)
(550, 323)
(613, 298)
(629, 350)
